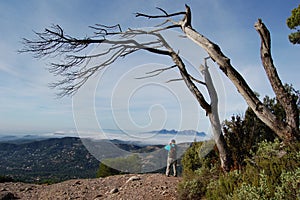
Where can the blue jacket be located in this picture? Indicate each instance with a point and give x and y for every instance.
(171, 148)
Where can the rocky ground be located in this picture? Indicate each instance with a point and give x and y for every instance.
(129, 186)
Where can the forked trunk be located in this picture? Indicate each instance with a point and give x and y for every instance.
(288, 130)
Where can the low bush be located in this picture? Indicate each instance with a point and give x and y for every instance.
(114, 166)
(271, 172)
(200, 166)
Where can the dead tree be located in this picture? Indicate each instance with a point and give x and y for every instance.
(287, 130)
(225, 158)
(76, 71)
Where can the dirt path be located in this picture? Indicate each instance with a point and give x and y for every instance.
(129, 186)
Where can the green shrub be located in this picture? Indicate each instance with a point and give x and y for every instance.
(249, 192)
(195, 184)
(290, 185)
(191, 160)
(192, 189)
(224, 185)
(114, 166)
(105, 171)
(272, 172)
(200, 166)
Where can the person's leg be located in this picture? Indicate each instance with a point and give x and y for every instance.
(168, 167)
(175, 168)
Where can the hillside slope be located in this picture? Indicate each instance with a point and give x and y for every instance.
(53, 159)
(129, 186)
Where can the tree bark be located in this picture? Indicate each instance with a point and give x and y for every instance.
(223, 149)
(287, 131)
(284, 97)
(211, 109)
(189, 83)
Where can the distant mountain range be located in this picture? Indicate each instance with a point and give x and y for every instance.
(184, 132)
(19, 139)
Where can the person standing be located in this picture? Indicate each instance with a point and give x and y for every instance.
(172, 154)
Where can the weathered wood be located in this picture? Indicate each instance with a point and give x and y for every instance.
(286, 100)
(288, 130)
(214, 119)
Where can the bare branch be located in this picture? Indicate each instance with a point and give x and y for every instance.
(191, 77)
(77, 69)
(166, 15)
(162, 69)
(55, 42)
(104, 30)
(156, 72)
(162, 10)
(181, 79)
(196, 80)
(173, 80)
(163, 23)
(189, 83)
(185, 22)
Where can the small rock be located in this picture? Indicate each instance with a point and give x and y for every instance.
(155, 188)
(113, 191)
(28, 189)
(77, 183)
(133, 178)
(164, 192)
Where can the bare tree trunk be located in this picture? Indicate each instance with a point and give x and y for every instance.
(211, 109)
(287, 131)
(285, 98)
(225, 156)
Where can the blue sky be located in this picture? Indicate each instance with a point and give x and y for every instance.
(28, 105)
